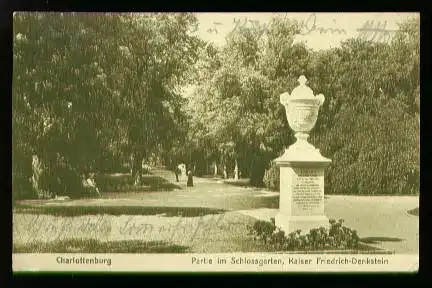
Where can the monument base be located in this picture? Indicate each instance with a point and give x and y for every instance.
(290, 224)
(301, 197)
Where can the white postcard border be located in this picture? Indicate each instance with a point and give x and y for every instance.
(235, 262)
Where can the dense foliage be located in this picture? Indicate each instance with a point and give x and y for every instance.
(368, 126)
(93, 91)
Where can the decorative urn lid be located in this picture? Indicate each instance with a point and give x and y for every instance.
(302, 91)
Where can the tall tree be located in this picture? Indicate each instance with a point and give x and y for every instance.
(60, 94)
(157, 52)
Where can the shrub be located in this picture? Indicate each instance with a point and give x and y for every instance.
(22, 187)
(125, 183)
(336, 237)
(271, 178)
(21, 174)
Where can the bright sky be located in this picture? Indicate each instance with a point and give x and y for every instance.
(331, 28)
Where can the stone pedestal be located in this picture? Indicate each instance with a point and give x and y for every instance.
(301, 194)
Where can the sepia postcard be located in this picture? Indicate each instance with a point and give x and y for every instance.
(216, 142)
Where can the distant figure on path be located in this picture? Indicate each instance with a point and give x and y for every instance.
(90, 185)
(190, 179)
(182, 168)
(177, 172)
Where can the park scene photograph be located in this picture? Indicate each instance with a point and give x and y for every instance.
(216, 133)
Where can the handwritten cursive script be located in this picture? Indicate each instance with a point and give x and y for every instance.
(182, 228)
(309, 25)
(62, 228)
(375, 31)
(371, 30)
(41, 227)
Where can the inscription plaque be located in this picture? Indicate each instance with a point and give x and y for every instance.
(307, 191)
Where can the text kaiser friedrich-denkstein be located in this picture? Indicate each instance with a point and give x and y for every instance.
(340, 260)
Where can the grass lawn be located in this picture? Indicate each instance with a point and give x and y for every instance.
(44, 231)
(95, 246)
(137, 246)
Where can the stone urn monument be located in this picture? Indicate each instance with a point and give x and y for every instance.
(302, 165)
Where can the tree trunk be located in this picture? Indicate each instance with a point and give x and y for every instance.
(215, 169)
(131, 164)
(37, 171)
(257, 171)
(40, 179)
(225, 174)
(136, 168)
(236, 171)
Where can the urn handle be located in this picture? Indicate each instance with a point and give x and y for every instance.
(321, 99)
(284, 99)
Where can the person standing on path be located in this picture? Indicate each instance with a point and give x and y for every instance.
(190, 179)
(177, 172)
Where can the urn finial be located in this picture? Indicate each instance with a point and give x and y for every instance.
(302, 80)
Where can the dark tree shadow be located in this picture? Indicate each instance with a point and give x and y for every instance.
(364, 248)
(239, 183)
(73, 211)
(377, 240)
(414, 212)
